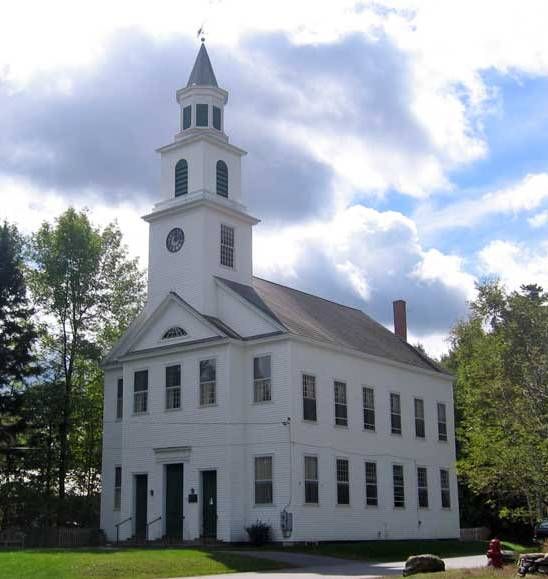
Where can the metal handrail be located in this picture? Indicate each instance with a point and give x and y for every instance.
(118, 525)
(150, 523)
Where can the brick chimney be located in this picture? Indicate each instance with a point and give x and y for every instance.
(400, 319)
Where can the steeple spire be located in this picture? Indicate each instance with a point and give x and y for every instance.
(202, 72)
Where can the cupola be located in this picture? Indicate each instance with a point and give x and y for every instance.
(201, 100)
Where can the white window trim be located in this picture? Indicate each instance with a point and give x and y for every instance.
(373, 430)
(336, 478)
(263, 505)
(405, 497)
(377, 471)
(448, 470)
(301, 397)
(260, 402)
(234, 263)
(446, 422)
(116, 417)
(427, 486)
(167, 365)
(345, 382)
(134, 371)
(425, 437)
(200, 360)
(117, 508)
(311, 455)
(390, 413)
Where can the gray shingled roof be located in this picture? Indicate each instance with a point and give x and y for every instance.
(313, 317)
(202, 72)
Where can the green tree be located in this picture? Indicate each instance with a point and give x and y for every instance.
(17, 333)
(87, 290)
(17, 338)
(500, 357)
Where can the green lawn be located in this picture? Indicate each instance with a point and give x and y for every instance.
(122, 563)
(400, 550)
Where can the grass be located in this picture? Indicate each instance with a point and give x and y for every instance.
(400, 550)
(124, 563)
(480, 573)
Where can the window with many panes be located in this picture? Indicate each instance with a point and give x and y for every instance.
(217, 118)
(309, 397)
(120, 399)
(371, 492)
(341, 409)
(201, 115)
(140, 391)
(398, 484)
(222, 179)
(117, 487)
(208, 384)
(442, 422)
(445, 490)
(173, 387)
(420, 431)
(227, 246)
(422, 487)
(262, 384)
(395, 413)
(263, 480)
(343, 481)
(368, 408)
(187, 117)
(311, 479)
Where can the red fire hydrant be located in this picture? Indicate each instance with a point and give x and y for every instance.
(494, 554)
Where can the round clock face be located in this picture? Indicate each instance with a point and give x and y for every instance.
(175, 239)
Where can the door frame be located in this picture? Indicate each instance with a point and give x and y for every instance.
(184, 464)
(134, 495)
(216, 471)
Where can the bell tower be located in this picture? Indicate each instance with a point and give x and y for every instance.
(200, 228)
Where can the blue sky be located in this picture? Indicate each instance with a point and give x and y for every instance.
(396, 149)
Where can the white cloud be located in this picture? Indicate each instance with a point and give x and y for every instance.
(436, 266)
(539, 220)
(447, 44)
(526, 195)
(29, 207)
(515, 264)
(368, 258)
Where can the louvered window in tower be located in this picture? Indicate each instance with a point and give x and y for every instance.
(181, 178)
(222, 179)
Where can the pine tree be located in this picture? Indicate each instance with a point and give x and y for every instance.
(17, 333)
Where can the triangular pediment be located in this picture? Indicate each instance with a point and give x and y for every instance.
(173, 322)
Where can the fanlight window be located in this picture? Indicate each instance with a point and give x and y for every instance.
(181, 178)
(174, 332)
(222, 179)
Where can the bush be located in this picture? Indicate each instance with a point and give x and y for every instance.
(259, 533)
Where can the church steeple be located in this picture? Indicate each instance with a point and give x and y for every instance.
(202, 72)
(201, 228)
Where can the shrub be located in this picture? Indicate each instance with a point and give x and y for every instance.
(259, 533)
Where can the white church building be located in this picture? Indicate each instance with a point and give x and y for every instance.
(233, 399)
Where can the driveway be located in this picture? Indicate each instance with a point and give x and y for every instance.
(315, 566)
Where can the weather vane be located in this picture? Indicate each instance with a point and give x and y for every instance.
(201, 33)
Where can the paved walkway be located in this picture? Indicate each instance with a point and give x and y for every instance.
(313, 566)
